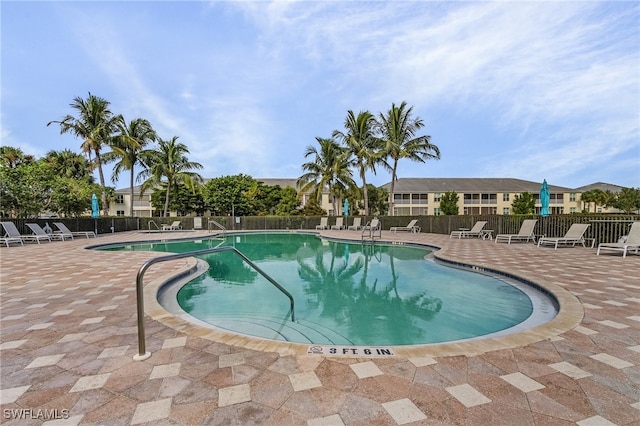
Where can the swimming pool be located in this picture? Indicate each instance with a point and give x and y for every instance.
(347, 293)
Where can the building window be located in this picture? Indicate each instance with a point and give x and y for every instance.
(572, 209)
(489, 198)
(505, 197)
(119, 199)
(572, 196)
(401, 198)
(506, 211)
(421, 211)
(120, 213)
(436, 211)
(401, 211)
(436, 197)
(419, 199)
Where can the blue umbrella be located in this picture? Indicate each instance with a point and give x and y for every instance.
(346, 207)
(545, 196)
(95, 207)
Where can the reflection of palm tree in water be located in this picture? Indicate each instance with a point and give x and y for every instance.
(369, 312)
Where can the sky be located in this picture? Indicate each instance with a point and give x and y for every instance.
(530, 90)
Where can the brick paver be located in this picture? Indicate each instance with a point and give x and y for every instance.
(68, 337)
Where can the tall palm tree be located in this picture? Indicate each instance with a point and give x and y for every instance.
(95, 125)
(398, 131)
(169, 162)
(128, 149)
(329, 169)
(361, 145)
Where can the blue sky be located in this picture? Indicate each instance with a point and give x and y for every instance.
(530, 90)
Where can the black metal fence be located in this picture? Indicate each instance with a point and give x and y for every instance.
(604, 228)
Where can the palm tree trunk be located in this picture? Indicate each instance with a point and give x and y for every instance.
(365, 193)
(166, 200)
(131, 193)
(393, 185)
(103, 196)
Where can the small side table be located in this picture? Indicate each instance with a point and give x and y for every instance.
(486, 234)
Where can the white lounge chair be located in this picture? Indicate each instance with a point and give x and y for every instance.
(525, 233)
(176, 225)
(40, 234)
(9, 235)
(476, 231)
(631, 242)
(373, 227)
(324, 223)
(62, 229)
(339, 223)
(357, 224)
(411, 227)
(575, 235)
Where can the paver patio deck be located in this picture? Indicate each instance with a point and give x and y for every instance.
(68, 336)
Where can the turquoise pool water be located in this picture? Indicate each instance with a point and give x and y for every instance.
(348, 293)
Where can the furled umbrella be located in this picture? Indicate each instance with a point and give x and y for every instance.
(346, 207)
(95, 207)
(545, 197)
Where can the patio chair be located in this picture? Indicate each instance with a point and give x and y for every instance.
(176, 225)
(575, 235)
(40, 234)
(373, 227)
(339, 223)
(357, 224)
(524, 234)
(62, 229)
(9, 235)
(476, 231)
(411, 227)
(632, 241)
(324, 223)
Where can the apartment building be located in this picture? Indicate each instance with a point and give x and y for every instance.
(421, 196)
(418, 196)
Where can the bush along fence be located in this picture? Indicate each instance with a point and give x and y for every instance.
(604, 228)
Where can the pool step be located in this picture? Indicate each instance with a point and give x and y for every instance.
(277, 328)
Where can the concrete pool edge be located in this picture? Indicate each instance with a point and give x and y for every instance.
(570, 314)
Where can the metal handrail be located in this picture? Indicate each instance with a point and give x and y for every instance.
(224, 230)
(142, 353)
(155, 224)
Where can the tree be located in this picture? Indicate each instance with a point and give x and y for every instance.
(128, 150)
(95, 125)
(362, 145)
(25, 190)
(627, 200)
(67, 163)
(378, 200)
(398, 130)
(596, 196)
(329, 169)
(226, 195)
(523, 203)
(72, 197)
(449, 203)
(288, 204)
(171, 166)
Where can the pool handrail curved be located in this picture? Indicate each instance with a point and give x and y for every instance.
(142, 352)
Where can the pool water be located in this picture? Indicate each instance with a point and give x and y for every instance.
(347, 293)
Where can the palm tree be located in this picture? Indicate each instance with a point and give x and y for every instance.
(398, 133)
(128, 148)
(169, 161)
(361, 145)
(329, 168)
(95, 125)
(69, 164)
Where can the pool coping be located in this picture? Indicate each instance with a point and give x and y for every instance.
(570, 314)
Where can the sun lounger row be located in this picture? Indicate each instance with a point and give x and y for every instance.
(357, 225)
(13, 235)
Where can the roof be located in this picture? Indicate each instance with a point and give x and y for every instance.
(600, 185)
(470, 185)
